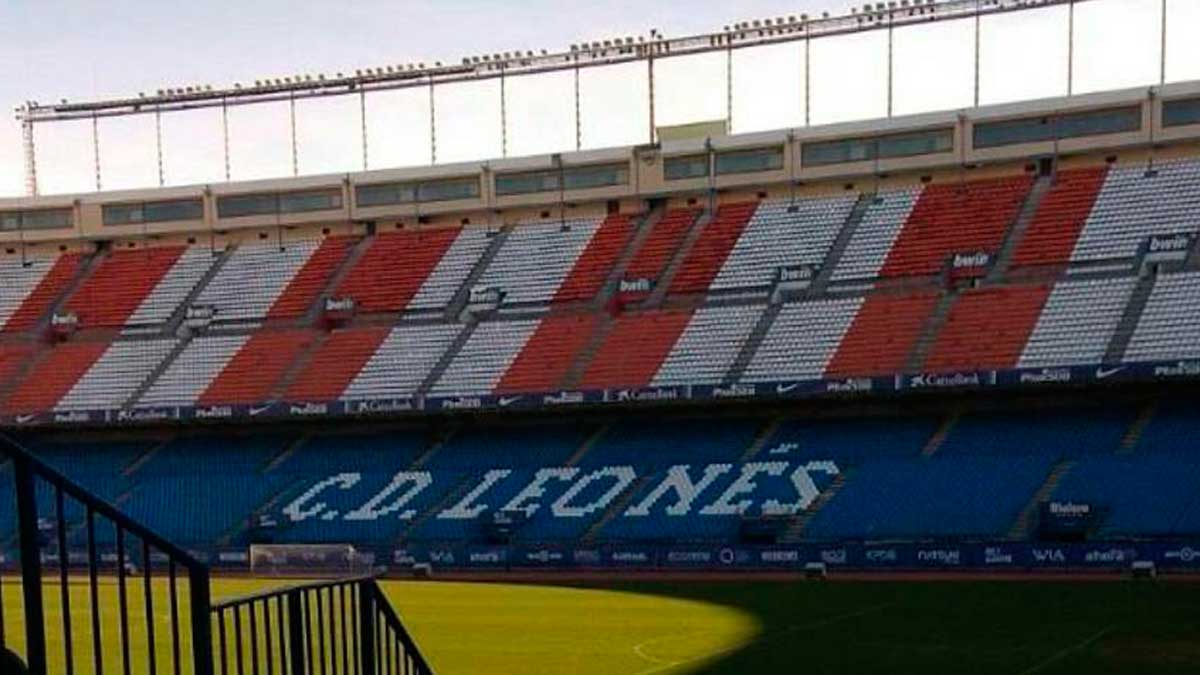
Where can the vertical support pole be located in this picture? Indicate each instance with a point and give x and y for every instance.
(31, 180)
(1071, 48)
(31, 566)
(650, 75)
(295, 150)
(978, 37)
(807, 81)
(225, 135)
(362, 117)
(366, 628)
(890, 66)
(578, 117)
(158, 145)
(432, 125)
(503, 115)
(1162, 66)
(200, 594)
(729, 89)
(96, 150)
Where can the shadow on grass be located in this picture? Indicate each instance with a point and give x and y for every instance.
(978, 628)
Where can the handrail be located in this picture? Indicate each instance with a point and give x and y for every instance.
(27, 469)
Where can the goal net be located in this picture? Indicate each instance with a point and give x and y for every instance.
(299, 559)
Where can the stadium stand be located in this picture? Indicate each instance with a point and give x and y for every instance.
(803, 340)
(617, 363)
(536, 259)
(664, 240)
(116, 375)
(706, 349)
(452, 271)
(544, 362)
(883, 335)
(1170, 324)
(780, 234)
(251, 374)
(1077, 323)
(255, 276)
(192, 372)
(947, 219)
(1136, 203)
(30, 288)
(1060, 218)
(52, 375)
(876, 234)
(987, 328)
(594, 265)
(713, 247)
(402, 362)
(120, 284)
(335, 363)
(485, 357)
(394, 267)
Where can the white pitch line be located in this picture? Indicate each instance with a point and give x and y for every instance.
(661, 665)
(1068, 651)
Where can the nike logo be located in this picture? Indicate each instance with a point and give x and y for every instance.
(786, 388)
(1105, 373)
(25, 419)
(255, 411)
(506, 401)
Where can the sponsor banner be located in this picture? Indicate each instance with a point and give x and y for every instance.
(1162, 248)
(381, 406)
(959, 380)
(562, 398)
(459, 403)
(648, 394)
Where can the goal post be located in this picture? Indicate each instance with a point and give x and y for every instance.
(301, 559)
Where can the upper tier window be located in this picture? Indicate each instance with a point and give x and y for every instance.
(572, 178)
(1178, 113)
(153, 212)
(1047, 128)
(892, 146)
(384, 194)
(43, 219)
(235, 206)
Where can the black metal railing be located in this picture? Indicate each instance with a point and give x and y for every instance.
(344, 627)
(76, 552)
(111, 583)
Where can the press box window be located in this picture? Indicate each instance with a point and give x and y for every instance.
(1073, 125)
(45, 219)
(573, 178)
(237, 206)
(882, 147)
(749, 161)
(682, 168)
(1179, 113)
(153, 212)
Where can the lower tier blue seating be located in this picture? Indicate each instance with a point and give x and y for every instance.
(695, 479)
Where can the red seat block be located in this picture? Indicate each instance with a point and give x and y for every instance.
(597, 260)
(336, 363)
(53, 376)
(311, 279)
(718, 238)
(635, 349)
(252, 374)
(1060, 218)
(119, 285)
(882, 335)
(392, 270)
(12, 358)
(548, 355)
(951, 218)
(988, 328)
(38, 302)
(661, 244)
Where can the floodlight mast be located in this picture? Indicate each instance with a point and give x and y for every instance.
(883, 16)
(886, 16)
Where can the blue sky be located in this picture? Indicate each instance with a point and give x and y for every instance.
(84, 49)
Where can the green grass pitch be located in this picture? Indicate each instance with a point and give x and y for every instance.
(745, 628)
